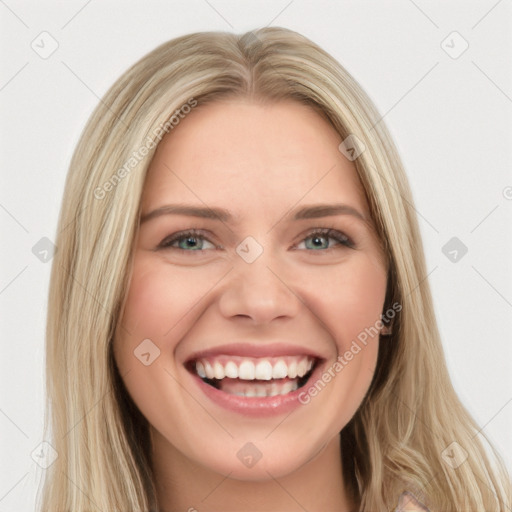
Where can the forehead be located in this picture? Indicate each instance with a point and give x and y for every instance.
(249, 154)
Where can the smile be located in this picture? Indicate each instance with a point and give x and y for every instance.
(254, 377)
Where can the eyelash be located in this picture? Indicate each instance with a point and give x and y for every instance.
(342, 239)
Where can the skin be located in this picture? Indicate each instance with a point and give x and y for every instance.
(260, 162)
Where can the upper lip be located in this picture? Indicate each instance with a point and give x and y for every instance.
(255, 350)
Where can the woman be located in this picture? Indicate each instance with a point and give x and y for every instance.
(206, 349)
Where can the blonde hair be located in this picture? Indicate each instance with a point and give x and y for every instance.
(411, 412)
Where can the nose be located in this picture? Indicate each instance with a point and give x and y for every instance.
(260, 291)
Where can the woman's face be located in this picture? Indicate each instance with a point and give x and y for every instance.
(259, 292)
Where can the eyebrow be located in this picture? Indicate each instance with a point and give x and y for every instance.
(307, 212)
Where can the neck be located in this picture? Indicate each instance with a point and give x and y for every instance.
(183, 485)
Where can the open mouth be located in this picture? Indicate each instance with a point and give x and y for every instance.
(254, 377)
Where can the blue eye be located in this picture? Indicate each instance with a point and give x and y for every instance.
(194, 240)
(328, 234)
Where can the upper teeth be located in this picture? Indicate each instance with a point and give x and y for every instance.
(247, 368)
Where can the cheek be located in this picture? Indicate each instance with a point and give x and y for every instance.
(160, 298)
(349, 306)
(360, 300)
(148, 304)
(162, 303)
(153, 307)
(159, 307)
(349, 298)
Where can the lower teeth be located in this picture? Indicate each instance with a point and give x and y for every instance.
(259, 389)
(267, 389)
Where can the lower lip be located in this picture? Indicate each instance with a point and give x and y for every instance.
(256, 406)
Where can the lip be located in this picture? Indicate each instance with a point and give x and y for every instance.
(257, 407)
(255, 350)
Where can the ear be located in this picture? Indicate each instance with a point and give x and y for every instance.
(408, 503)
(386, 330)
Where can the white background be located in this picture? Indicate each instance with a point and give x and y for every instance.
(450, 118)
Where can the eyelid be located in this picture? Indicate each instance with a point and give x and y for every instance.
(192, 232)
(330, 232)
(342, 238)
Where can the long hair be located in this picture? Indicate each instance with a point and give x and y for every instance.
(398, 438)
